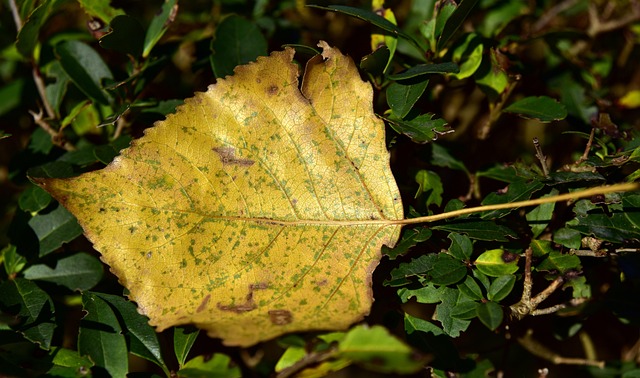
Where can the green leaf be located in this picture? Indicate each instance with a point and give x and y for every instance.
(478, 229)
(237, 41)
(455, 21)
(470, 288)
(142, 338)
(447, 270)
(490, 77)
(57, 87)
(631, 204)
(461, 246)
(421, 129)
(125, 36)
(451, 326)
(542, 248)
(28, 36)
(410, 237)
(13, 262)
(445, 11)
(470, 54)
(429, 182)
(497, 262)
(218, 366)
(375, 349)
(543, 108)
(100, 9)
(541, 215)
(402, 96)
(290, 356)
(76, 272)
(412, 324)
(465, 310)
(183, 339)
(517, 191)
(85, 68)
(568, 237)
(499, 17)
(442, 158)
(426, 69)
(159, 25)
(490, 314)
(34, 308)
(615, 227)
(100, 336)
(426, 294)
(68, 363)
(40, 142)
(501, 287)
(559, 261)
(54, 229)
(370, 17)
(376, 62)
(573, 97)
(34, 199)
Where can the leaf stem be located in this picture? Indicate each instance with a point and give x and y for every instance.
(627, 187)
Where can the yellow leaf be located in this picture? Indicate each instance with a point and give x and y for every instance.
(257, 209)
(630, 100)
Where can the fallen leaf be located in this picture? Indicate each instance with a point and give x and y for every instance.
(257, 209)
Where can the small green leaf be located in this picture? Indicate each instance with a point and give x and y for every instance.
(562, 262)
(34, 308)
(541, 215)
(402, 95)
(68, 363)
(490, 314)
(455, 21)
(490, 77)
(375, 349)
(426, 294)
(100, 9)
(465, 310)
(159, 25)
(85, 68)
(631, 204)
(376, 62)
(100, 336)
(429, 182)
(497, 262)
(541, 248)
(470, 54)
(447, 270)
(450, 298)
(54, 229)
(543, 108)
(501, 287)
(125, 36)
(143, 339)
(470, 288)
(218, 366)
(183, 339)
(421, 129)
(34, 199)
(76, 272)
(410, 237)
(412, 324)
(290, 356)
(461, 246)
(568, 237)
(29, 33)
(426, 69)
(517, 191)
(40, 142)
(13, 262)
(237, 41)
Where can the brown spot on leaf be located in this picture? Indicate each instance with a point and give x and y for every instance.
(509, 257)
(227, 156)
(203, 305)
(249, 304)
(320, 283)
(272, 90)
(280, 317)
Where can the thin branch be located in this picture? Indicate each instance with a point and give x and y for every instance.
(549, 15)
(627, 187)
(536, 348)
(541, 156)
(56, 137)
(587, 149)
(596, 26)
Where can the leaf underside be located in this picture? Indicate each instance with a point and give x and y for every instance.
(257, 209)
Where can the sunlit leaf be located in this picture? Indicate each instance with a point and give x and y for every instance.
(497, 262)
(100, 9)
(232, 198)
(159, 25)
(218, 366)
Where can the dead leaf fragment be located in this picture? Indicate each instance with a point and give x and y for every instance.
(257, 209)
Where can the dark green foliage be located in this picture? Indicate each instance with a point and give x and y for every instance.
(464, 87)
